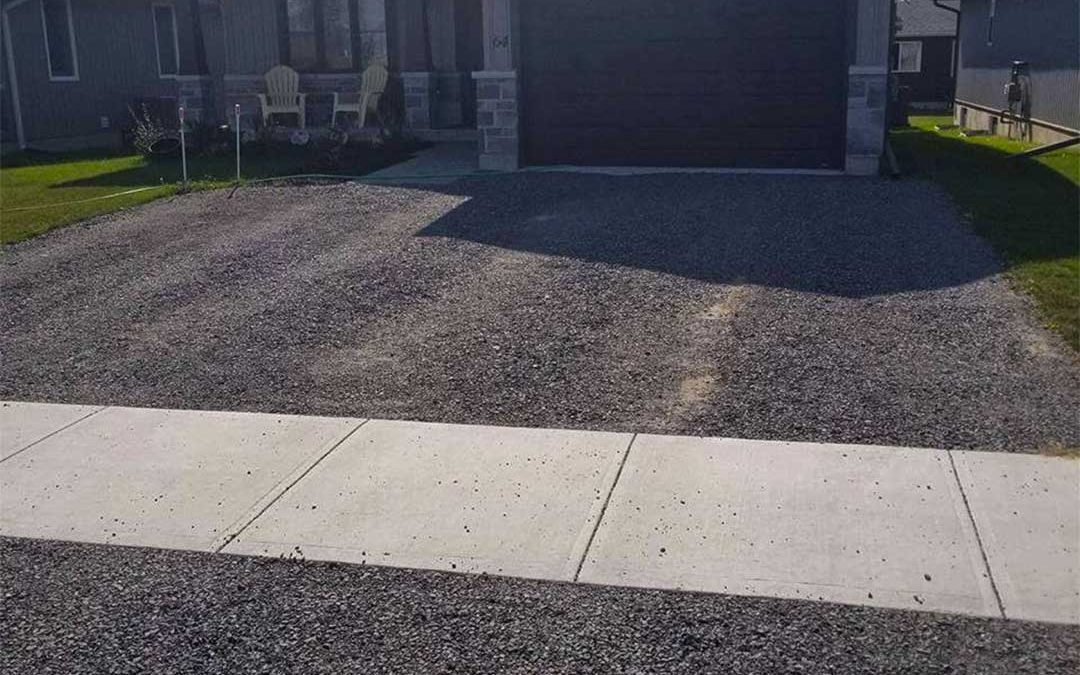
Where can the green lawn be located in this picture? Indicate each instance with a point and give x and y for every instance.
(1029, 210)
(50, 182)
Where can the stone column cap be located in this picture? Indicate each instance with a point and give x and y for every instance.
(867, 70)
(493, 74)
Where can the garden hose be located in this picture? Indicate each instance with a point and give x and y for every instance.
(82, 201)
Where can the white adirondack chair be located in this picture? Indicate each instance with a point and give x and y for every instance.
(372, 86)
(282, 95)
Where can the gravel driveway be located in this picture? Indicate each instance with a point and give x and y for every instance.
(805, 308)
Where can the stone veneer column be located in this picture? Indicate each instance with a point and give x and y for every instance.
(497, 120)
(419, 89)
(414, 63)
(868, 80)
(497, 95)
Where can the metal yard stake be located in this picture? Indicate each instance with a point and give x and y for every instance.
(183, 147)
(236, 109)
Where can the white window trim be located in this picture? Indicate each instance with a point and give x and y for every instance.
(900, 44)
(74, 77)
(175, 37)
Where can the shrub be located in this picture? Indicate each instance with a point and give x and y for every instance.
(147, 132)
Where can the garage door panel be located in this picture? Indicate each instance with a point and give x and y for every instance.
(699, 111)
(654, 55)
(630, 83)
(662, 29)
(700, 82)
(692, 60)
(668, 151)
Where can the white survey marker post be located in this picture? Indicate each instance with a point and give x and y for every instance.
(236, 111)
(183, 146)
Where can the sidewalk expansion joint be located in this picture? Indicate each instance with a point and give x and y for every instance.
(603, 508)
(978, 537)
(53, 433)
(229, 539)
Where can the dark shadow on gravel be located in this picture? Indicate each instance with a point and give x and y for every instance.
(836, 236)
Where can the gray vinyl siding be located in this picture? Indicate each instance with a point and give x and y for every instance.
(1046, 34)
(7, 114)
(252, 36)
(117, 62)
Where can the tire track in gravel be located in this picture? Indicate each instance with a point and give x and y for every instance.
(524, 339)
(535, 339)
(703, 381)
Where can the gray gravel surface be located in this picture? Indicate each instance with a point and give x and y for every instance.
(777, 307)
(71, 608)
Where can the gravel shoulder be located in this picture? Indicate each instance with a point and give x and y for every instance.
(76, 608)
(771, 307)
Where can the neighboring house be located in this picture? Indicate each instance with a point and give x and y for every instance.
(725, 83)
(923, 58)
(72, 68)
(1044, 35)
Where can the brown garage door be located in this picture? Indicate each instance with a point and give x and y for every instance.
(755, 83)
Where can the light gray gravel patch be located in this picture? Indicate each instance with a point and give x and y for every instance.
(75, 608)
(773, 307)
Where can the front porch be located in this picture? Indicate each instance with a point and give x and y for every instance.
(452, 78)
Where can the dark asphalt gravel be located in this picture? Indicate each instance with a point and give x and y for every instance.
(72, 608)
(776, 307)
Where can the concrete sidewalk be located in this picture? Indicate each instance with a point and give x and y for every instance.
(987, 534)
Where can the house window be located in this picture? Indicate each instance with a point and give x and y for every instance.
(59, 39)
(165, 39)
(318, 35)
(907, 58)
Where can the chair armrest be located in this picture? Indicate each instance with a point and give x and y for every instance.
(336, 99)
(262, 99)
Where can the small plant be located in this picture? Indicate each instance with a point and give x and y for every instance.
(328, 152)
(149, 136)
(212, 140)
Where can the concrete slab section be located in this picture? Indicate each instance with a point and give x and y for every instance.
(851, 524)
(22, 424)
(440, 164)
(507, 501)
(1027, 511)
(172, 479)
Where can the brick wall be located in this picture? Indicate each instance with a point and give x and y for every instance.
(419, 91)
(196, 95)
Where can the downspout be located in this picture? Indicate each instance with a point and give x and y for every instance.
(201, 67)
(429, 58)
(937, 3)
(955, 46)
(13, 78)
